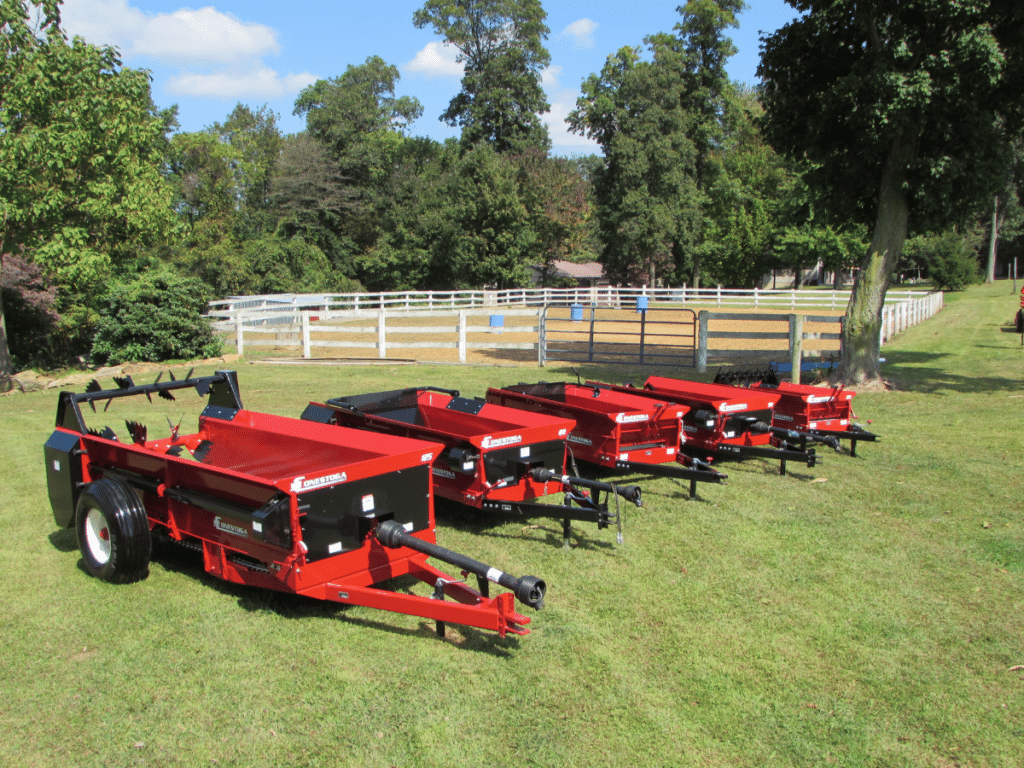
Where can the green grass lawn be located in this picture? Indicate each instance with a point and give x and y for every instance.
(867, 612)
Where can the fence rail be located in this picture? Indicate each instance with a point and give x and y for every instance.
(279, 305)
(385, 330)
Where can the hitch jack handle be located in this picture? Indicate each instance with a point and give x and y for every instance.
(628, 492)
(528, 589)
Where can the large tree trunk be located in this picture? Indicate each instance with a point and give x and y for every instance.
(696, 271)
(864, 312)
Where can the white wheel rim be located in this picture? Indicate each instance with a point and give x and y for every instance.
(97, 536)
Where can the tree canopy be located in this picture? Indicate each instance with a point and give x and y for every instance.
(905, 108)
(501, 47)
(80, 141)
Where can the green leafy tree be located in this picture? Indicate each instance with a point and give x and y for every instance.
(501, 47)
(951, 258)
(359, 118)
(362, 123)
(699, 51)
(311, 199)
(906, 108)
(645, 193)
(154, 317)
(257, 142)
(559, 207)
(202, 171)
(469, 228)
(80, 187)
(744, 206)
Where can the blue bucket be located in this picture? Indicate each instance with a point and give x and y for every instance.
(497, 321)
(641, 303)
(576, 312)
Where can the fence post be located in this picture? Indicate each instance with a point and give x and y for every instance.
(305, 334)
(590, 347)
(796, 337)
(702, 341)
(643, 329)
(381, 336)
(462, 335)
(239, 333)
(542, 337)
(755, 295)
(719, 294)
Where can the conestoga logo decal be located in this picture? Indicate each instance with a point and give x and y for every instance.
(622, 418)
(237, 530)
(300, 483)
(497, 442)
(573, 438)
(444, 473)
(727, 408)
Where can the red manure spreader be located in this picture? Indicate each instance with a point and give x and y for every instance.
(270, 502)
(811, 413)
(617, 430)
(495, 459)
(728, 422)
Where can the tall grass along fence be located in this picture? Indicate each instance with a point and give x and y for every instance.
(667, 335)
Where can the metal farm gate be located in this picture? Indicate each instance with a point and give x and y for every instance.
(639, 336)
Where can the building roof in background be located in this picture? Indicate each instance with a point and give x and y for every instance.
(591, 270)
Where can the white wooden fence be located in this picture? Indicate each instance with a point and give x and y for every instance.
(271, 322)
(300, 335)
(224, 310)
(897, 317)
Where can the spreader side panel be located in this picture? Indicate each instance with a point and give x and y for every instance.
(338, 518)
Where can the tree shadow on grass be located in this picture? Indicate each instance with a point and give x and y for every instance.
(910, 372)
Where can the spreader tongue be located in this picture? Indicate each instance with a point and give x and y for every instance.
(528, 589)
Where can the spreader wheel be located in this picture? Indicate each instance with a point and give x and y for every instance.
(113, 532)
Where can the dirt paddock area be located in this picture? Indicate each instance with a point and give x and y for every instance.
(496, 338)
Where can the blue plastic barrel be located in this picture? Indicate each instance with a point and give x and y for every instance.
(641, 303)
(576, 312)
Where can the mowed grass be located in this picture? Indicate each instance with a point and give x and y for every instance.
(867, 612)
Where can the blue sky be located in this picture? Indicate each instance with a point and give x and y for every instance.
(208, 58)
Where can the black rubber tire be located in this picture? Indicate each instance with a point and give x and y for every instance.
(1019, 321)
(113, 532)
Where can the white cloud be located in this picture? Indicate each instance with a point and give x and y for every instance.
(435, 60)
(205, 34)
(228, 50)
(562, 103)
(549, 77)
(261, 82)
(582, 31)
